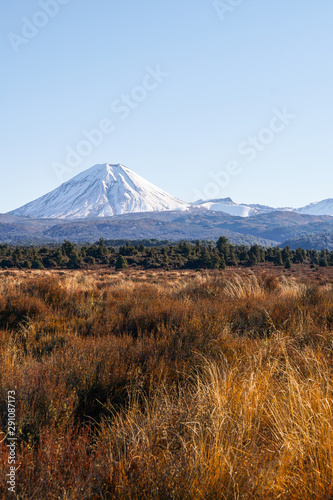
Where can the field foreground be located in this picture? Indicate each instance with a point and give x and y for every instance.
(168, 385)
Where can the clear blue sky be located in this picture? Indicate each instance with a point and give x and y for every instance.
(226, 75)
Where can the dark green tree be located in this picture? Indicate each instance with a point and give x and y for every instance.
(121, 262)
(287, 263)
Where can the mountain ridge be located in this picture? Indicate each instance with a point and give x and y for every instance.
(268, 229)
(227, 205)
(109, 190)
(106, 190)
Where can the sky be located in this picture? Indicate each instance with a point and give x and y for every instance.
(205, 99)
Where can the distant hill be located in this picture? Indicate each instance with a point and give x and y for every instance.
(313, 241)
(173, 226)
(196, 223)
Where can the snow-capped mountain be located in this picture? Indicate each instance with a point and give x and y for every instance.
(106, 190)
(228, 206)
(101, 191)
(324, 207)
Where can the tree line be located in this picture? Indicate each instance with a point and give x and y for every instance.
(154, 254)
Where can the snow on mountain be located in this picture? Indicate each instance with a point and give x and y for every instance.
(263, 209)
(106, 190)
(101, 191)
(324, 207)
(228, 206)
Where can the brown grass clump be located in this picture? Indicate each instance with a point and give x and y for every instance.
(184, 385)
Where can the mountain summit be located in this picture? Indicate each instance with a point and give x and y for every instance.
(101, 191)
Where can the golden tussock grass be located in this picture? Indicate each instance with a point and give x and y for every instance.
(179, 385)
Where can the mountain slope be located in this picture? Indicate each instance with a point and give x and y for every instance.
(324, 207)
(228, 206)
(313, 241)
(196, 223)
(101, 191)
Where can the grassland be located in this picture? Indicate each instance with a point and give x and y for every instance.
(169, 385)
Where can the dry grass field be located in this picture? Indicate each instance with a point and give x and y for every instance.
(169, 385)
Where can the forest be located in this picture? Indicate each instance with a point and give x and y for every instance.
(154, 254)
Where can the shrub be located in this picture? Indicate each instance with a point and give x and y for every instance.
(185, 384)
(37, 264)
(121, 262)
